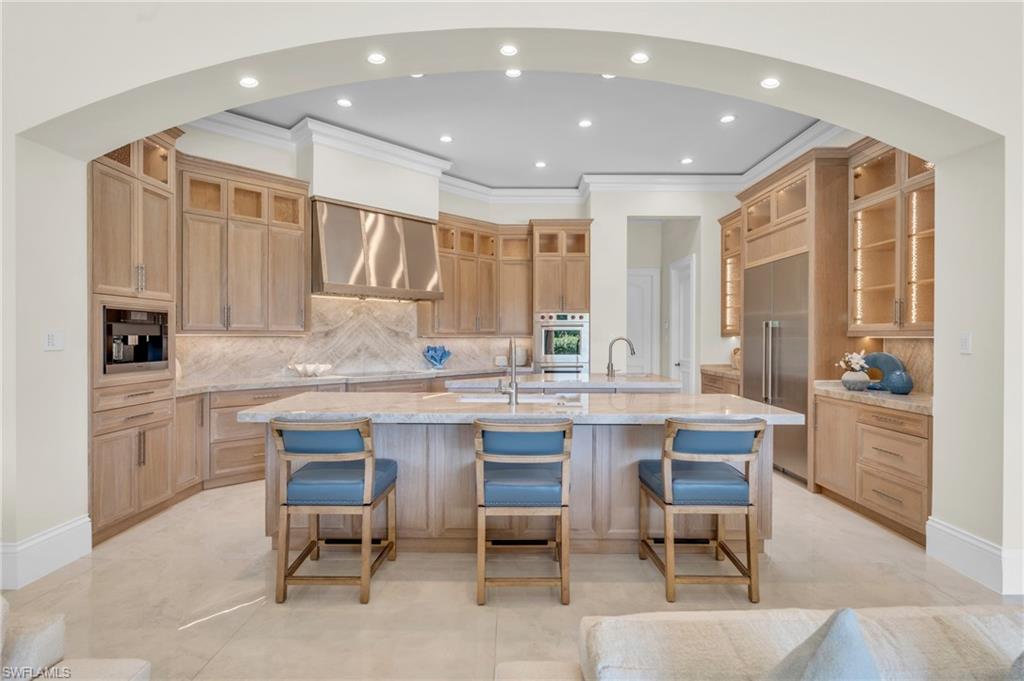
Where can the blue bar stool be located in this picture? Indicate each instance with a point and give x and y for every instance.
(696, 458)
(341, 476)
(522, 469)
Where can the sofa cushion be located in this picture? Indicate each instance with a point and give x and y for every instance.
(1017, 669)
(698, 483)
(837, 650)
(338, 483)
(33, 640)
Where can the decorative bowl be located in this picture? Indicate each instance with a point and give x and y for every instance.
(309, 370)
(437, 355)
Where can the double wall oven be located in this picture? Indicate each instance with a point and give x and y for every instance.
(561, 342)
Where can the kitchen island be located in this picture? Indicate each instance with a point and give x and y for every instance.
(572, 383)
(431, 436)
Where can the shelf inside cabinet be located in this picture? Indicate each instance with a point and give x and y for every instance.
(759, 214)
(286, 209)
(486, 245)
(874, 175)
(791, 198)
(874, 224)
(445, 238)
(156, 161)
(547, 243)
(575, 243)
(247, 203)
(204, 195)
(918, 166)
(467, 241)
(515, 247)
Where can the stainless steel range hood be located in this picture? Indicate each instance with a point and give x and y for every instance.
(364, 252)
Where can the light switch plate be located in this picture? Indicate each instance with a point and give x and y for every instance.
(53, 341)
(966, 343)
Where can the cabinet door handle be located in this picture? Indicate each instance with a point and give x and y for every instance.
(143, 285)
(886, 451)
(140, 440)
(229, 316)
(887, 496)
(138, 278)
(895, 312)
(202, 411)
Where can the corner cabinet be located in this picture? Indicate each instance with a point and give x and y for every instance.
(245, 250)
(892, 242)
(561, 265)
(732, 273)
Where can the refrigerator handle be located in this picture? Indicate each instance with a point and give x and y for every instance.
(764, 361)
(771, 362)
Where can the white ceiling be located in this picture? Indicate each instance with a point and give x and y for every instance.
(501, 126)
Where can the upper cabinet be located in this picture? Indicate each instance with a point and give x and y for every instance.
(245, 249)
(561, 265)
(732, 273)
(132, 219)
(892, 242)
(776, 221)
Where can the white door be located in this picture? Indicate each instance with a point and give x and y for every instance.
(643, 312)
(682, 321)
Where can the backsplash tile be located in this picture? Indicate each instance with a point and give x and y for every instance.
(356, 336)
(918, 355)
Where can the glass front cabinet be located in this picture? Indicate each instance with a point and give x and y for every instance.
(732, 273)
(892, 243)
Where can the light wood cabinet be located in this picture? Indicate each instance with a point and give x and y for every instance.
(154, 473)
(191, 441)
(487, 295)
(446, 311)
(731, 311)
(892, 242)
(245, 250)
(835, 436)
(112, 218)
(561, 270)
(469, 296)
(714, 384)
(548, 275)
(156, 234)
(515, 303)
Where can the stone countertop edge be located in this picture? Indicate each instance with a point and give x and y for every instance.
(569, 381)
(723, 370)
(916, 403)
(184, 388)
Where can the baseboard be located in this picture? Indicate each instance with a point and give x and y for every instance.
(977, 558)
(25, 561)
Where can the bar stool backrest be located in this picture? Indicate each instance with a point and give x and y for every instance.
(309, 441)
(523, 443)
(713, 439)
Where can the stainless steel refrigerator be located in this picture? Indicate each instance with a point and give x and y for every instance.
(775, 335)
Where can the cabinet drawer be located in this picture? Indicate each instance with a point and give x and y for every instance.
(254, 398)
(224, 425)
(711, 384)
(131, 394)
(392, 387)
(132, 417)
(232, 458)
(902, 454)
(902, 421)
(901, 501)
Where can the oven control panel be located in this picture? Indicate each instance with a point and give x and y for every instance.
(563, 317)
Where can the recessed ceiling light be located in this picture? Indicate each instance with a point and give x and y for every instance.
(607, 76)
(446, 138)
(513, 73)
(540, 164)
(415, 75)
(248, 81)
(639, 58)
(727, 118)
(770, 83)
(509, 50)
(686, 161)
(344, 103)
(376, 58)
(585, 123)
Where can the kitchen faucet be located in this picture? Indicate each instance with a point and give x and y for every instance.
(513, 389)
(611, 365)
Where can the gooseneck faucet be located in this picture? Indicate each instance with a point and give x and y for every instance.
(611, 364)
(513, 389)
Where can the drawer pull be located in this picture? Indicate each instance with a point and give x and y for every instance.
(266, 397)
(887, 496)
(886, 451)
(142, 394)
(139, 416)
(888, 419)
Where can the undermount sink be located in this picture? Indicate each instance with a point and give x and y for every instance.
(558, 400)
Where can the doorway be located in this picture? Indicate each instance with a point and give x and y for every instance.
(643, 323)
(683, 322)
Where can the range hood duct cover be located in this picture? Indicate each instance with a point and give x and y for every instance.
(364, 252)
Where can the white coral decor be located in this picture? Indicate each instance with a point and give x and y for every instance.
(853, 361)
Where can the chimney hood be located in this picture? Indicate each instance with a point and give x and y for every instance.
(365, 252)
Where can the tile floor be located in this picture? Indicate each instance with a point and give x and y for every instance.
(191, 590)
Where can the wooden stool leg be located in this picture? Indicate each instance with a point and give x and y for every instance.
(392, 524)
(563, 541)
(558, 538)
(282, 554)
(643, 522)
(670, 556)
(481, 556)
(365, 545)
(719, 536)
(314, 535)
(753, 589)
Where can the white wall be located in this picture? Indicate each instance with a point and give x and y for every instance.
(231, 149)
(643, 243)
(505, 213)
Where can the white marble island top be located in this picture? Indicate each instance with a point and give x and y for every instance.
(570, 382)
(449, 408)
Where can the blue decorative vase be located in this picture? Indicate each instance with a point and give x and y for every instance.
(886, 364)
(899, 382)
(437, 355)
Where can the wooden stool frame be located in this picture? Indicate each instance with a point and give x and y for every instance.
(388, 547)
(749, 572)
(560, 544)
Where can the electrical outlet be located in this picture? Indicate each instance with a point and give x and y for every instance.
(53, 341)
(966, 343)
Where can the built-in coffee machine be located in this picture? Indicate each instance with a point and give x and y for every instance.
(134, 340)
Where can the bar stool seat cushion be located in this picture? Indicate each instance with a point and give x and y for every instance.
(515, 484)
(338, 483)
(698, 483)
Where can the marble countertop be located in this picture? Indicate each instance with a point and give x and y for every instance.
(529, 381)
(449, 408)
(185, 387)
(723, 370)
(917, 403)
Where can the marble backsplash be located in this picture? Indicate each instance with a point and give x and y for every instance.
(356, 336)
(918, 356)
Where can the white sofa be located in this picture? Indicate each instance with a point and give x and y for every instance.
(31, 643)
(907, 642)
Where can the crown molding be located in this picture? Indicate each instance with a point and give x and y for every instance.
(818, 134)
(251, 130)
(592, 183)
(479, 192)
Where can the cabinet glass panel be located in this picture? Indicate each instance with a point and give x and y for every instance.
(445, 238)
(731, 298)
(919, 307)
(731, 239)
(874, 263)
(874, 175)
(247, 203)
(759, 214)
(515, 247)
(576, 243)
(547, 243)
(286, 209)
(486, 245)
(155, 161)
(791, 198)
(918, 166)
(121, 155)
(205, 194)
(467, 241)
